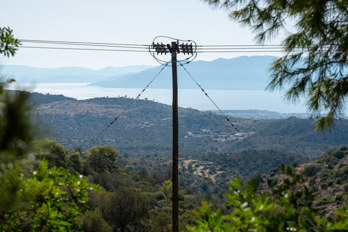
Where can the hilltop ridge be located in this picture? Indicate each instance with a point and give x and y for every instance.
(146, 128)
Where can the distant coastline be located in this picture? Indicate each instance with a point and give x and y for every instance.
(262, 114)
(188, 98)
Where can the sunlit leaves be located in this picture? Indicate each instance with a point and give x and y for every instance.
(287, 207)
(101, 158)
(54, 200)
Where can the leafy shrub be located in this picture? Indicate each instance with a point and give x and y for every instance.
(332, 156)
(94, 222)
(311, 170)
(160, 196)
(326, 178)
(54, 201)
(288, 207)
(342, 175)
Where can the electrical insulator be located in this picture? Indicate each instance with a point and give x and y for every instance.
(187, 49)
(190, 49)
(183, 48)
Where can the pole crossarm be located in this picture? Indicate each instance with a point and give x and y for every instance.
(186, 50)
(161, 48)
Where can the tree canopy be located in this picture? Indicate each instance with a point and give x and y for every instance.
(315, 64)
(8, 43)
(101, 158)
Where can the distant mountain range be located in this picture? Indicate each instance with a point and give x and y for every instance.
(242, 73)
(25, 74)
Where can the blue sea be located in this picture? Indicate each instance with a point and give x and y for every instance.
(189, 98)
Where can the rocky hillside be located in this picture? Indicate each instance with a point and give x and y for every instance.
(327, 177)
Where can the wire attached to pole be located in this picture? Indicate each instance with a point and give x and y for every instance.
(130, 104)
(217, 107)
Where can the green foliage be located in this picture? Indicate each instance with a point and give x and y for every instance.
(131, 135)
(315, 64)
(238, 163)
(342, 175)
(166, 188)
(126, 207)
(53, 152)
(162, 222)
(94, 222)
(16, 130)
(135, 201)
(8, 44)
(311, 170)
(16, 142)
(332, 156)
(101, 159)
(287, 207)
(46, 199)
(54, 199)
(74, 162)
(326, 178)
(10, 187)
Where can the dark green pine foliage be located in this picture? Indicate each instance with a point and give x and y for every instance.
(8, 44)
(315, 63)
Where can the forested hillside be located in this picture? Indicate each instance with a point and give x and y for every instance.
(146, 128)
(120, 191)
(210, 173)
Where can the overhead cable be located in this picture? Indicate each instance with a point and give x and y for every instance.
(239, 51)
(80, 43)
(139, 50)
(85, 49)
(132, 47)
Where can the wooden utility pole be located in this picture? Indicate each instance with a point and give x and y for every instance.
(173, 49)
(175, 179)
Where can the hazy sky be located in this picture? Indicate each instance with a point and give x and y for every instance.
(115, 21)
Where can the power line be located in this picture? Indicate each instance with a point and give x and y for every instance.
(132, 47)
(240, 47)
(129, 47)
(130, 104)
(83, 46)
(83, 49)
(137, 45)
(80, 43)
(137, 50)
(240, 51)
(217, 107)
